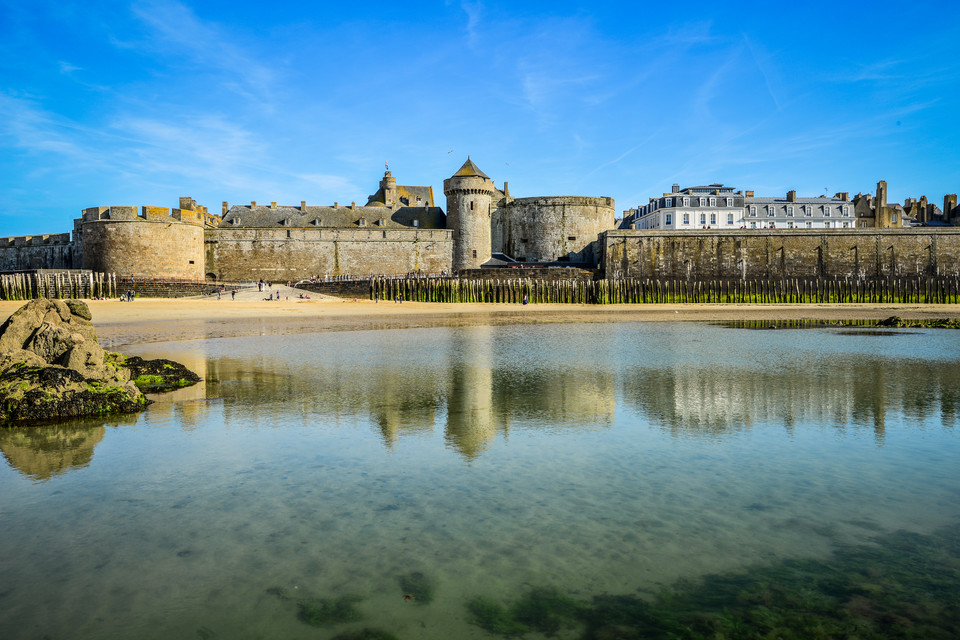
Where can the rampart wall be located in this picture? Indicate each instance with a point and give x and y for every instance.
(821, 253)
(25, 253)
(278, 255)
(548, 229)
(144, 247)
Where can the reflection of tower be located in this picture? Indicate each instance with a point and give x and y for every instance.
(470, 424)
(470, 198)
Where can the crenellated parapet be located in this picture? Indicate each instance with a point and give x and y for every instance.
(149, 241)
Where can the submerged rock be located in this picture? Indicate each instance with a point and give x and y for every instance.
(51, 367)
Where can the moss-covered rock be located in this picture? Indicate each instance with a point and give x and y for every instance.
(51, 367)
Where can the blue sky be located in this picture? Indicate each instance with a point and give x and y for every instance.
(133, 103)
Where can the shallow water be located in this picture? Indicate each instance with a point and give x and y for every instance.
(595, 458)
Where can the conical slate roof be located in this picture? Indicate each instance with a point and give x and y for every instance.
(470, 170)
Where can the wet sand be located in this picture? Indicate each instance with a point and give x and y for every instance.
(161, 320)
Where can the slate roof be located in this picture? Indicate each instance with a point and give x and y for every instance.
(783, 200)
(469, 170)
(410, 194)
(244, 216)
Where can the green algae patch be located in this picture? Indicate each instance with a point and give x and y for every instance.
(900, 585)
(418, 586)
(153, 376)
(321, 612)
(366, 634)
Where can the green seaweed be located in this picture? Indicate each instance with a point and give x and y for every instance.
(493, 617)
(321, 612)
(901, 585)
(417, 585)
(365, 634)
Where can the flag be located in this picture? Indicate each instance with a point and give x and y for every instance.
(386, 166)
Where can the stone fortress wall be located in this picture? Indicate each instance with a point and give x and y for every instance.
(552, 228)
(151, 243)
(28, 253)
(278, 255)
(794, 253)
(401, 231)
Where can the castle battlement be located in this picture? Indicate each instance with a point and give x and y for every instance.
(189, 212)
(35, 241)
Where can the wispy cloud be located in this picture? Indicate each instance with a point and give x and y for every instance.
(174, 30)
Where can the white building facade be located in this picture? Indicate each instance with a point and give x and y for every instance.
(718, 207)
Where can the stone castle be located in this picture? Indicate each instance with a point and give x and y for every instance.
(401, 230)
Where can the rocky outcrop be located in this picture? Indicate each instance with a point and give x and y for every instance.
(52, 367)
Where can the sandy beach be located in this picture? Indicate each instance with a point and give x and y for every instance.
(160, 320)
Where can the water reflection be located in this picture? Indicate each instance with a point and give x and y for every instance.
(43, 452)
(845, 390)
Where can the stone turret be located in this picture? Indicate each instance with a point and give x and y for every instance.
(389, 187)
(471, 197)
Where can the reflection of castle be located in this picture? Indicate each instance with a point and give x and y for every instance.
(854, 391)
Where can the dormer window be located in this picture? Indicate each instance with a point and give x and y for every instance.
(315, 222)
(235, 220)
(362, 222)
(416, 223)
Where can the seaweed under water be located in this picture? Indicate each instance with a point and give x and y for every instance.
(902, 585)
(418, 585)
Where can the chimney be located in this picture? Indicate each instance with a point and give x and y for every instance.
(273, 205)
(675, 189)
(336, 204)
(226, 205)
(353, 205)
(749, 194)
(792, 196)
(303, 205)
(253, 204)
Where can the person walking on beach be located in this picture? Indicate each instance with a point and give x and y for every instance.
(233, 295)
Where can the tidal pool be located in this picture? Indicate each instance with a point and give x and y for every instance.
(620, 480)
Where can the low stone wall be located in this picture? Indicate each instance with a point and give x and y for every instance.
(340, 288)
(547, 274)
(146, 288)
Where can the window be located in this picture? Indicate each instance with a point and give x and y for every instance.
(729, 202)
(770, 211)
(845, 211)
(474, 251)
(790, 224)
(703, 218)
(846, 224)
(826, 211)
(807, 211)
(893, 218)
(753, 209)
(826, 225)
(571, 237)
(686, 202)
(703, 202)
(729, 218)
(713, 202)
(713, 218)
(686, 218)
(668, 202)
(809, 225)
(753, 225)
(669, 219)
(790, 211)
(471, 209)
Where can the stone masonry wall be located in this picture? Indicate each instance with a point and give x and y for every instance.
(278, 255)
(548, 229)
(163, 250)
(26, 253)
(841, 253)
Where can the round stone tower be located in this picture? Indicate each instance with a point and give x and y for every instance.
(471, 198)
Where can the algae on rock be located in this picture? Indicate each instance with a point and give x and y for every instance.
(52, 367)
